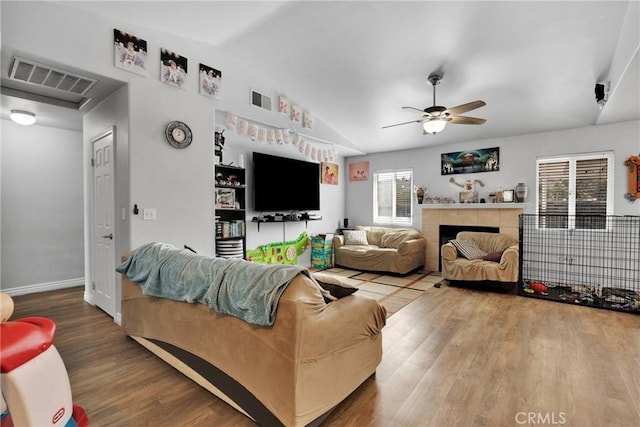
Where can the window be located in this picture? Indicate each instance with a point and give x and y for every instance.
(575, 191)
(392, 197)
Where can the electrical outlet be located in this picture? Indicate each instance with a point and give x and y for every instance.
(149, 214)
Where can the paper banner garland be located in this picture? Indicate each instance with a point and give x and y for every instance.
(317, 151)
(230, 121)
(262, 135)
(242, 128)
(253, 132)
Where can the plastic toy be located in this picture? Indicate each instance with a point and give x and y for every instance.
(538, 288)
(35, 385)
(280, 252)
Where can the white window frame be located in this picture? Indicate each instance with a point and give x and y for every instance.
(393, 219)
(572, 159)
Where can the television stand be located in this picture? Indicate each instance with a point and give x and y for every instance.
(284, 220)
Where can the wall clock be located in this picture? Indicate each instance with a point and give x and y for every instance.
(178, 134)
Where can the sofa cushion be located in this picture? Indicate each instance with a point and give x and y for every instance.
(468, 248)
(355, 237)
(393, 238)
(374, 233)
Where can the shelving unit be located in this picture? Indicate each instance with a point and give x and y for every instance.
(230, 203)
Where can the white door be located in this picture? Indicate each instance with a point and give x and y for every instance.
(104, 275)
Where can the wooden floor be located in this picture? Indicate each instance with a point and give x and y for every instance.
(452, 357)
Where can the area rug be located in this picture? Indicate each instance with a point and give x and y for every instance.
(392, 292)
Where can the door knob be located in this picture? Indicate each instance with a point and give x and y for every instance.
(108, 236)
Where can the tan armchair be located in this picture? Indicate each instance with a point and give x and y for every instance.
(456, 267)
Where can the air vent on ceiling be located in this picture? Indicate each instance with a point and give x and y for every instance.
(43, 75)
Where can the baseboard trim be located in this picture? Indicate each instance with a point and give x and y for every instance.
(44, 287)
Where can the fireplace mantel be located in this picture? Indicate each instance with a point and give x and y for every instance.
(474, 205)
(505, 216)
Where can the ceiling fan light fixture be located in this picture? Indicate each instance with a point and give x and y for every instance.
(22, 117)
(434, 126)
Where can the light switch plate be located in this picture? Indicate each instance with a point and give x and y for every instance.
(149, 214)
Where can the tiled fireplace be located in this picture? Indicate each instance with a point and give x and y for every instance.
(502, 216)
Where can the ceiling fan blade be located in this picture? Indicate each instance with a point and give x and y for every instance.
(463, 120)
(403, 123)
(420, 110)
(466, 107)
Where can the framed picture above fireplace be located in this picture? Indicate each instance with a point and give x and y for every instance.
(471, 161)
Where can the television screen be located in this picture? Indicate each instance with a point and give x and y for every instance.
(281, 184)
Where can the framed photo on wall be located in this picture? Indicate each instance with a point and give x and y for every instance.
(359, 171)
(210, 81)
(173, 68)
(130, 52)
(329, 173)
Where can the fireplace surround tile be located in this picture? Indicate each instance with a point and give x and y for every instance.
(506, 218)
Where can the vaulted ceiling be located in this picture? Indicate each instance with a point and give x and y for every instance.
(356, 63)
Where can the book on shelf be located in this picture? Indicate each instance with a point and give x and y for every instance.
(226, 229)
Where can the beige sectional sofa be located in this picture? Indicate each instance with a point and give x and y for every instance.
(505, 268)
(289, 374)
(387, 249)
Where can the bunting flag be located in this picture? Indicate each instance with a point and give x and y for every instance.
(316, 151)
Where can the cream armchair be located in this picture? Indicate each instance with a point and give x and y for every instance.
(504, 267)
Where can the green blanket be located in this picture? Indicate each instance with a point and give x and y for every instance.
(232, 286)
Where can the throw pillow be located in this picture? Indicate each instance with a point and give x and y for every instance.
(355, 237)
(468, 248)
(336, 288)
(493, 256)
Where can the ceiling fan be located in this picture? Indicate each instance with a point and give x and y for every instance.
(435, 118)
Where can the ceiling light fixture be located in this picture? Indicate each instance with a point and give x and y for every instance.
(22, 117)
(434, 126)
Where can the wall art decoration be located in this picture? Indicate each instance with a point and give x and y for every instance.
(296, 114)
(307, 120)
(130, 52)
(210, 82)
(329, 173)
(173, 68)
(359, 171)
(633, 163)
(472, 161)
(283, 105)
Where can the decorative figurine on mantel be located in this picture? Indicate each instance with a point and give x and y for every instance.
(420, 191)
(521, 192)
(470, 194)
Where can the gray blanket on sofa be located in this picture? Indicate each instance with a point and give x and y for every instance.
(231, 286)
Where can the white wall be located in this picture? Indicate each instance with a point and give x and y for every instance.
(517, 164)
(177, 183)
(42, 207)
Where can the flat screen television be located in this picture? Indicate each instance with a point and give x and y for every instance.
(281, 184)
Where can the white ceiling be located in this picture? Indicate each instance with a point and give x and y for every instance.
(354, 64)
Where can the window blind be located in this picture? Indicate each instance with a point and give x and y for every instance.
(553, 188)
(574, 191)
(393, 197)
(591, 187)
